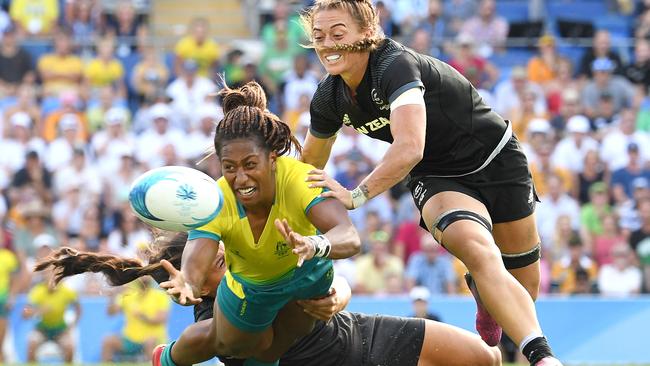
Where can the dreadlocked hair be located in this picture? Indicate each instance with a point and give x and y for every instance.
(362, 12)
(246, 116)
(118, 271)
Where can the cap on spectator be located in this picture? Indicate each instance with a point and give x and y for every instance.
(465, 39)
(21, 119)
(546, 40)
(125, 151)
(633, 146)
(578, 124)
(602, 64)
(539, 125)
(69, 121)
(640, 183)
(598, 187)
(570, 95)
(44, 240)
(115, 116)
(190, 65)
(420, 293)
(519, 72)
(160, 110)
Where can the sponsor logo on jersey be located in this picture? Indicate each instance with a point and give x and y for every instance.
(375, 98)
(419, 192)
(281, 249)
(373, 125)
(346, 120)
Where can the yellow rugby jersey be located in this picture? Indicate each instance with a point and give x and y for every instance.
(53, 303)
(8, 265)
(270, 258)
(150, 302)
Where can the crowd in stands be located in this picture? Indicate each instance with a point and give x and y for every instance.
(102, 105)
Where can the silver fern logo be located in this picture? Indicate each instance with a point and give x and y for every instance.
(186, 193)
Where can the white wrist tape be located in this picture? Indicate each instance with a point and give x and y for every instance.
(322, 245)
(358, 197)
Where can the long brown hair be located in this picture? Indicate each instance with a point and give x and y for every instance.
(118, 271)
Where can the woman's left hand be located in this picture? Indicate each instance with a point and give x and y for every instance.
(324, 308)
(320, 179)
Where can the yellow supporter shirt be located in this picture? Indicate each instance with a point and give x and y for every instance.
(150, 303)
(270, 258)
(53, 304)
(205, 54)
(8, 265)
(101, 74)
(35, 15)
(68, 65)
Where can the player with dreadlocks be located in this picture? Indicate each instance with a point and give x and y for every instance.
(340, 338)
(466, 170)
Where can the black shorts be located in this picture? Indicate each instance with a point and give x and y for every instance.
(505, 186)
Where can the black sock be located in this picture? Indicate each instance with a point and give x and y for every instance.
(536, 350)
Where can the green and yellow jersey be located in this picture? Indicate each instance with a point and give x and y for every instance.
(271, 258)
(52, 304)
(8, 265)
(134, 303)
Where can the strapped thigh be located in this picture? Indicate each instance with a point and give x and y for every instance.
(449, 217)
(520, 260)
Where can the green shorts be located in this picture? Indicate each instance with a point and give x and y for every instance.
(130, 348)
(4, 312)
(252, 308)
(51, 333)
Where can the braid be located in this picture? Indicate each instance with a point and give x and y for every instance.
(246, 116)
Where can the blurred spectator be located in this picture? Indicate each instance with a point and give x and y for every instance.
(562, 82)
(188, 92)
(592, 213)
(480, 72)
(104, 99)
(570, 152)
(150, 75)
(70, 106)
(623, 178)
(583, 283)
(14, 147)
(604, 242)
(570, 106)
(351, 172)
(104, 70)
(36, 230)
(593, 171)
(408, 13)
(605, 83)
(68, 211)
(604, 114)
(80, 172)
(284, 21)
(564, 270)
(524, 112)
(602, 49)
(129, 238)
(60, 151)
(558, 245)
(125, 25)
(233, 69)
(60, 70)
(297, 82)
(508, 93)
(409, 236)
(627, 210)
(386, 22)
(146, 312)
(91, 236)
(553, 205)
(457, 11)
(201, 139)
(83, 18)
(375, 268)
(616, 141)
(26, 103)
(437, 26)
(48, 303)
(488, 28)
(16, 65)
(152, 141)
(198, 47)
(541, 169)
(640, 242)
(34, 175)
(421, 42)
(420, 297)
(621, 277)
(9, 267)
(35, 17)
(639, 72)
(117, 180)
(543, 68)
(431, 268)
(278, 59)
(112, 138)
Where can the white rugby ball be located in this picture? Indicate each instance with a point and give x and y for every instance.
(175, 198)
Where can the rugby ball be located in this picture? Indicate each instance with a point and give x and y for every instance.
(175, 198)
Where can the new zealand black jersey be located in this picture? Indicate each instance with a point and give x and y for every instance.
(463, 134)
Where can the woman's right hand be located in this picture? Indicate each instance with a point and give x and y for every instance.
(177, 288)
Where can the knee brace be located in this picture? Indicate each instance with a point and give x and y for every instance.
(520, 260)
(447, 218)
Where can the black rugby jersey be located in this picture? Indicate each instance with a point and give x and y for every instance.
(462, 132)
